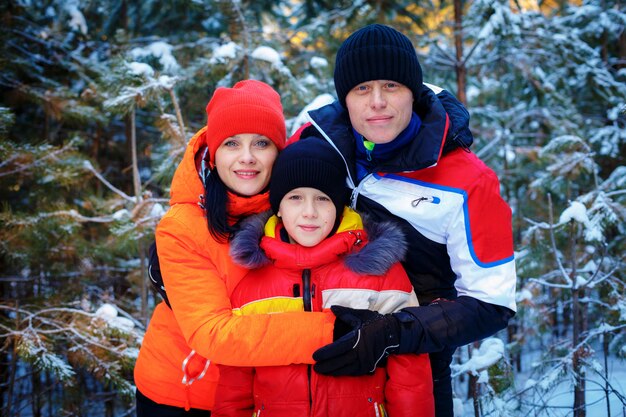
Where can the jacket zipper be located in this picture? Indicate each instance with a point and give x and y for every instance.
(307, 295)
(356, 191)
(306, 289)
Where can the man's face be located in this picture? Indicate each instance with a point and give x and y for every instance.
(380, 109)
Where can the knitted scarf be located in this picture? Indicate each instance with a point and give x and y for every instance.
(239, 206)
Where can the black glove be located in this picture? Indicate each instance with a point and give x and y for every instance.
(362, 349)
(348, 319)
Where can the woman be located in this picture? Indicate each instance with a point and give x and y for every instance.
(174, 373)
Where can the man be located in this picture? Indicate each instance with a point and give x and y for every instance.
(406, 148)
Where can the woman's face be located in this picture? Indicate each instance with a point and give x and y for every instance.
(244, 162)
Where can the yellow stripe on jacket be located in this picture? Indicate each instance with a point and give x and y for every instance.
(271, 305)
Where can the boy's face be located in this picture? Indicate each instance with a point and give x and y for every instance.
(308, 215)
(380, 109)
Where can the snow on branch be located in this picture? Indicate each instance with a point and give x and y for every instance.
(88, 166)
(129, 95)
(491, 351)
(47, 154)
(50, 338)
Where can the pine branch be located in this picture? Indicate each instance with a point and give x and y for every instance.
(37, 162)
(88, 166)
(555, 251)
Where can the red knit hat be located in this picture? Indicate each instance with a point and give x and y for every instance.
(249, 107)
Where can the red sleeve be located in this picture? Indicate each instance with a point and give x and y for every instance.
(234, 397)
(409, 388)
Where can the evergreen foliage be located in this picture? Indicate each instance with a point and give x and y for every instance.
(99, 98)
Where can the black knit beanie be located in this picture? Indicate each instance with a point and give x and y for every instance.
(376, 52)
(314, 163)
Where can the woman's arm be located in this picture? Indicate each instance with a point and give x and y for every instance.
(199, 276)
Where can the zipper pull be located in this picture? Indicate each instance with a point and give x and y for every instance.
(369, 148)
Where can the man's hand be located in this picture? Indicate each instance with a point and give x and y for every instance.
(348, 319)
(373, 337)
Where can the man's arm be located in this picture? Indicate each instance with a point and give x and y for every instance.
(411, 330)
(449, 323)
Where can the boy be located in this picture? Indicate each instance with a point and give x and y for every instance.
(314, 253)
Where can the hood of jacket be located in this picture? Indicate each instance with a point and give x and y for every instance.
(187, 184)
(445, 127)
(369, 248)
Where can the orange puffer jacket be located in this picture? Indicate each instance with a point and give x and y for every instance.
(345, 269)
(176, 363)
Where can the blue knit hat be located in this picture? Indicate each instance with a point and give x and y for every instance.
(376, 52)
(310, 162)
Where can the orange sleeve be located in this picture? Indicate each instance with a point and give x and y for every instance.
(198, 276)
(409, 388)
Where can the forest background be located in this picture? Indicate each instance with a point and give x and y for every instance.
(98, 99)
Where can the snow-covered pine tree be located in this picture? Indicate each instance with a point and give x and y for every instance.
(535, 77)
(70, 219)
(94, 119)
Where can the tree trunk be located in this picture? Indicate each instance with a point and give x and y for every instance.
(179, 117)
(36, 393)
(605, 354)
(621, 47)
(472, 384)
(577, 369)
(237, 30)
(579, 374)
(556, 321)
(461, 71)
(145, 283)
(473, 391)
(109, 403)
(13, 364)
(513, 330)
(49, 382)
(138, 200)
(135, 161)
(124, 15)
(578, 321)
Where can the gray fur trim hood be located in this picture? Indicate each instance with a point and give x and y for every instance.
(385, 246)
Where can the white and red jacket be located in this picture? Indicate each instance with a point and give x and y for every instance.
(354, 268)
(460, 256)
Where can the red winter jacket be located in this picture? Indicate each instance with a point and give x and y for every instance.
(345, 269)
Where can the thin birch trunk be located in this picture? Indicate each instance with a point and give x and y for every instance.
(179, 116)
(577, 329)
(461, 71)
(138, 200)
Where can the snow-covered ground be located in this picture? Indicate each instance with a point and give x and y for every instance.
(521, 400)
